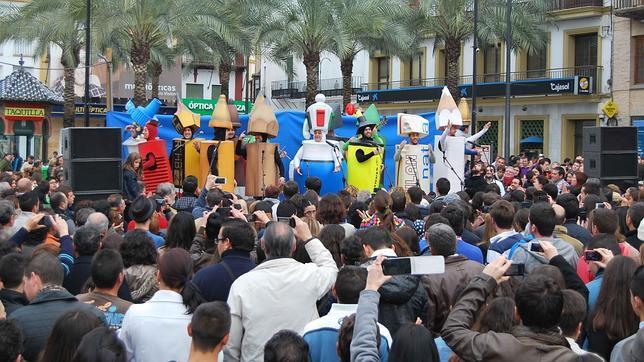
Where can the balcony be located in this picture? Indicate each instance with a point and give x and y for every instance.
(633, 9)
(557, 5)
(330, 87)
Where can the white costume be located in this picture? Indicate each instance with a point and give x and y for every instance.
(413, 161)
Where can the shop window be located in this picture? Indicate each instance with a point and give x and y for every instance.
(639, 59)
(491, 137)
(531, 130)
(194, 90)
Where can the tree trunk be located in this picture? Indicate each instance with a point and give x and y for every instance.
(157, 69)
(311, 63)
(140, 56)
(224, 78)
(69, 98)
(452, 54)
(346, 66)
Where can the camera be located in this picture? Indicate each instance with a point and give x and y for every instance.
(592, 255)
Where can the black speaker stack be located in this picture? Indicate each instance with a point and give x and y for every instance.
(610, 154)
(92, 157)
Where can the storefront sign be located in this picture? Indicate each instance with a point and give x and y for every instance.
(584, 85)
(205, 107)
(23, 113)
(241, 106)
(94, 109)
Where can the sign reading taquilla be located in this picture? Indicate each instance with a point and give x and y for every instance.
(21, 112)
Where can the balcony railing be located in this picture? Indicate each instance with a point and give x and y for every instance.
(633, 9)
(543, 74)
(572, 4)
(330, 87)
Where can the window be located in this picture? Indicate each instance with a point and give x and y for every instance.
(215, 91)
(531, 136)
(585, 54)
(383, 72)
(491, 137)
(492, 63)
(414, 69)
(639, 59)
(536, 64)
(22, 47)
(194, 90)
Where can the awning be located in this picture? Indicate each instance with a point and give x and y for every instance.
(531, 139)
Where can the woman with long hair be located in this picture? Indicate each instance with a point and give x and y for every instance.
(331, 210)
(331, 236)
(132, 173)
(157, 329)
(67, 333)
(181, 232)
(100, 345)
(613, 319)
(382, 214)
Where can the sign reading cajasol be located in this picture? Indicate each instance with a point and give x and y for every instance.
(205, 107)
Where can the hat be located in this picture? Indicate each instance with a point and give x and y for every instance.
(234, 116)
(464, 108)
(447, 111)
(369, 118)
(319, 116)
(262, 119)
(221, 115)
(153, 129)
(184, 118)
(142, 209)
(411, 123)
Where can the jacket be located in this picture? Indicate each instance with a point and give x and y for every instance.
(633, 239)
(142, 280)
(561, 232)
(37, 319)
(577, 231)
(492, 346)
(278, 294)
(215, 281)
(532, 260)
(81, 272)
(131, 187)
(444, 289)
(630, 349)
(12, 300)
(157, 329)
(363, 344)
(202, 254)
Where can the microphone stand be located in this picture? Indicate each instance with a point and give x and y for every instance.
(336, 153)
(263, 174)
(446, 161)
(414, 169)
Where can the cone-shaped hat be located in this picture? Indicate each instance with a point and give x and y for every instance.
(221, 115)
(447, 111)
(262, 119)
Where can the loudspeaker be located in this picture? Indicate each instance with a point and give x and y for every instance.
(92, 158)
(610, 154)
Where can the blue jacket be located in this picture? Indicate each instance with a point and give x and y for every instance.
(215, 281)
(131, 187)
(470, 251)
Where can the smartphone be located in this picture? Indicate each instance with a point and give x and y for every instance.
(600, 205)
(536, 247)
(287, 220)
(515, 270)
(592, 255)
(220, 180)
(416, 265)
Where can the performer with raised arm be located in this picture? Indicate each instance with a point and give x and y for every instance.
(413, 159)
(365, 155)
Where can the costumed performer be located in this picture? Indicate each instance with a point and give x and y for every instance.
(365, 170)
(184, 159)
(156, 165)
(413, 159)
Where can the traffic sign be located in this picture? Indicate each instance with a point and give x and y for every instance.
(610, 109)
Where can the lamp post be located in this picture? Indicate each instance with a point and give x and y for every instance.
(88, 4)
(320, 72)
(475, 51)
(508, 79)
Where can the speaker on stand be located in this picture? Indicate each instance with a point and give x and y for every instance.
(610, 154)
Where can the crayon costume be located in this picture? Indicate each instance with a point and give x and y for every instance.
(184, 157)
(365, 153)
(413, 159)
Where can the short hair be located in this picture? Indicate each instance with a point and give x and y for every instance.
(313, 183)
(539, 196)
(190, 184)
(551, 190)
(138, 249)
(278, 240)
(605, 220)
(542, 180)
(606, 241)
(574, 312)
(286, 208)
(28, 200)
(637, 283)
(377, 238)
(456, 218)
(502, 212)
(542, 216)
(286, 346)
(415, 194)
(442, 240)
(57, 199)
(636, 213)
(47, 267)
(290, 188)
(100, 344)
(82, 214)
(539, 302)
(12, 269)
(351, 251)
(570, 203)
(214, 197)
(398, 201)
(210, 324)
(165, 189)
(240, 234)
(99, 221)
(351, 280)
(87, 239)
(7, 210)
(434, 219)
(107, 264)
(114, 200)
(271, 191)
(443, 186)
(560, 171)
(11, 340)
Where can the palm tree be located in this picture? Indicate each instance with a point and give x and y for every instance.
(451, 22)
(303, 28)
(160, 57)
(47, 22)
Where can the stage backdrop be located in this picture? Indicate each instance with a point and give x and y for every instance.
(290, 134)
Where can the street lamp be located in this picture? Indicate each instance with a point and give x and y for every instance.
(320, 72)
(88, 4)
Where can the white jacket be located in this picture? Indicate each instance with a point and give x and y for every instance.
(278, 294)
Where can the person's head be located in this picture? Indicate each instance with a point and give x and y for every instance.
(286, 345)
(133, 163)
(100, 345)
(551, 190)
(166, 191)
(189, 186)
(67, 333)
(603, 221)
(210, 327)
(290, 189)
(271, 191)
(107, 269)
(502, 214)
(99, 221)
(539, 302)
(398, 201)
(82, 214)
(278, 240)
(29, 201)
(634, 215)
(58, 201)
(413, 342)
(138, 249)
(578, 179)
(42, 270)
(499, 316)
(637, 292)
(376, 238)
(214, 196)
(539, 182)
(235, 234)
(410, 237)
(181, 231)
(331, 236)
(12, 270)
(175, 271)
(313, 183)
(116, 202)
(331, 210)
(442, 240)
(558, 173)
(414, 137)
(351, 251)
(542, 220)
(570, 204)
(11, 341)
(573, 313)
(415, 194)
(456, 218)
(351, 280)
(7, 213)
(87, 240)
(442, 186)
(613, 312)
(560, 214)
(142, 209)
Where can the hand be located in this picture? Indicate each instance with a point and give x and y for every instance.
(210, 182)
(449, 124)
(375, 277)
(608, 205)
(376, 151)
(237, 214)
(118, 228)
(403, 143)
(261, 216)
(282, 181)
(197, 146)
(302, 231)
(298, 170)
(335, 169)
(607, 256)
(33, 223)
(497, 268)
(61, 226)
(488, 125)
(364, 215)
(549, 250)
(478, 221)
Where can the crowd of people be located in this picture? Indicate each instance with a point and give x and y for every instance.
(541, 263)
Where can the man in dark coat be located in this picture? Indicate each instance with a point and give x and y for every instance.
(12, 268)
